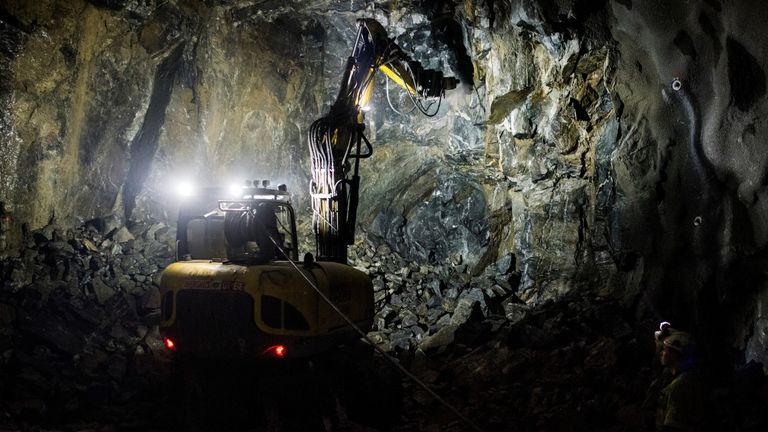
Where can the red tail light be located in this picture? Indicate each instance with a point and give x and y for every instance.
(169, 343)
(278, 351)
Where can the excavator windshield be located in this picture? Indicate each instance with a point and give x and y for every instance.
(205, 238)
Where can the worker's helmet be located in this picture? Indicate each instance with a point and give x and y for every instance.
(677, 340)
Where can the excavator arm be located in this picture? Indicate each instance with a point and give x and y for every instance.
(337, 143)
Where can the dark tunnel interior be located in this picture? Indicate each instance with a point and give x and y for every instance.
(368, 216)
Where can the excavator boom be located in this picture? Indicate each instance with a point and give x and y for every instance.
(337, 142)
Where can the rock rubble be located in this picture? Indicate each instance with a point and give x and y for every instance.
(78, 310)
(424, 305)
(80, 349)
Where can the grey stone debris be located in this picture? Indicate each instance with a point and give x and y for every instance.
(83, 302)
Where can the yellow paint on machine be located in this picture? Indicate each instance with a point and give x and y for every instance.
(348, 288)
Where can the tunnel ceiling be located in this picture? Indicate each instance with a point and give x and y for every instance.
(613, 149)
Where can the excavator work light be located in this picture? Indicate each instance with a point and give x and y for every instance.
(185, 189)
(235, 190)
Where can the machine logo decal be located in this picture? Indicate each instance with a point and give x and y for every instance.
(214, 284)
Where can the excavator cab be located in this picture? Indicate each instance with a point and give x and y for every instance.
(256, 227)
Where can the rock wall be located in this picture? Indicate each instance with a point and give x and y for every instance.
(690, 166)
(77, 85)
(111, 104)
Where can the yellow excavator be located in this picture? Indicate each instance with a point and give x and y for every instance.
(239, 293)
(237, 288)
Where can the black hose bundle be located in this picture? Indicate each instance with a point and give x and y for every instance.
(243, 227)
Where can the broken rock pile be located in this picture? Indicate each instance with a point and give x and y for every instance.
(429, 305)
(77, 315)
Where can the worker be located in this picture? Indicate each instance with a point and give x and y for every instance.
(680, 403)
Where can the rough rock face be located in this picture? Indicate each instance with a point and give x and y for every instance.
(132, 97)
(689, 167)
(612, 151)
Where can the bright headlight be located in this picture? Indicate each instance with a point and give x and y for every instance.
(235, 190)
(185, 189)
